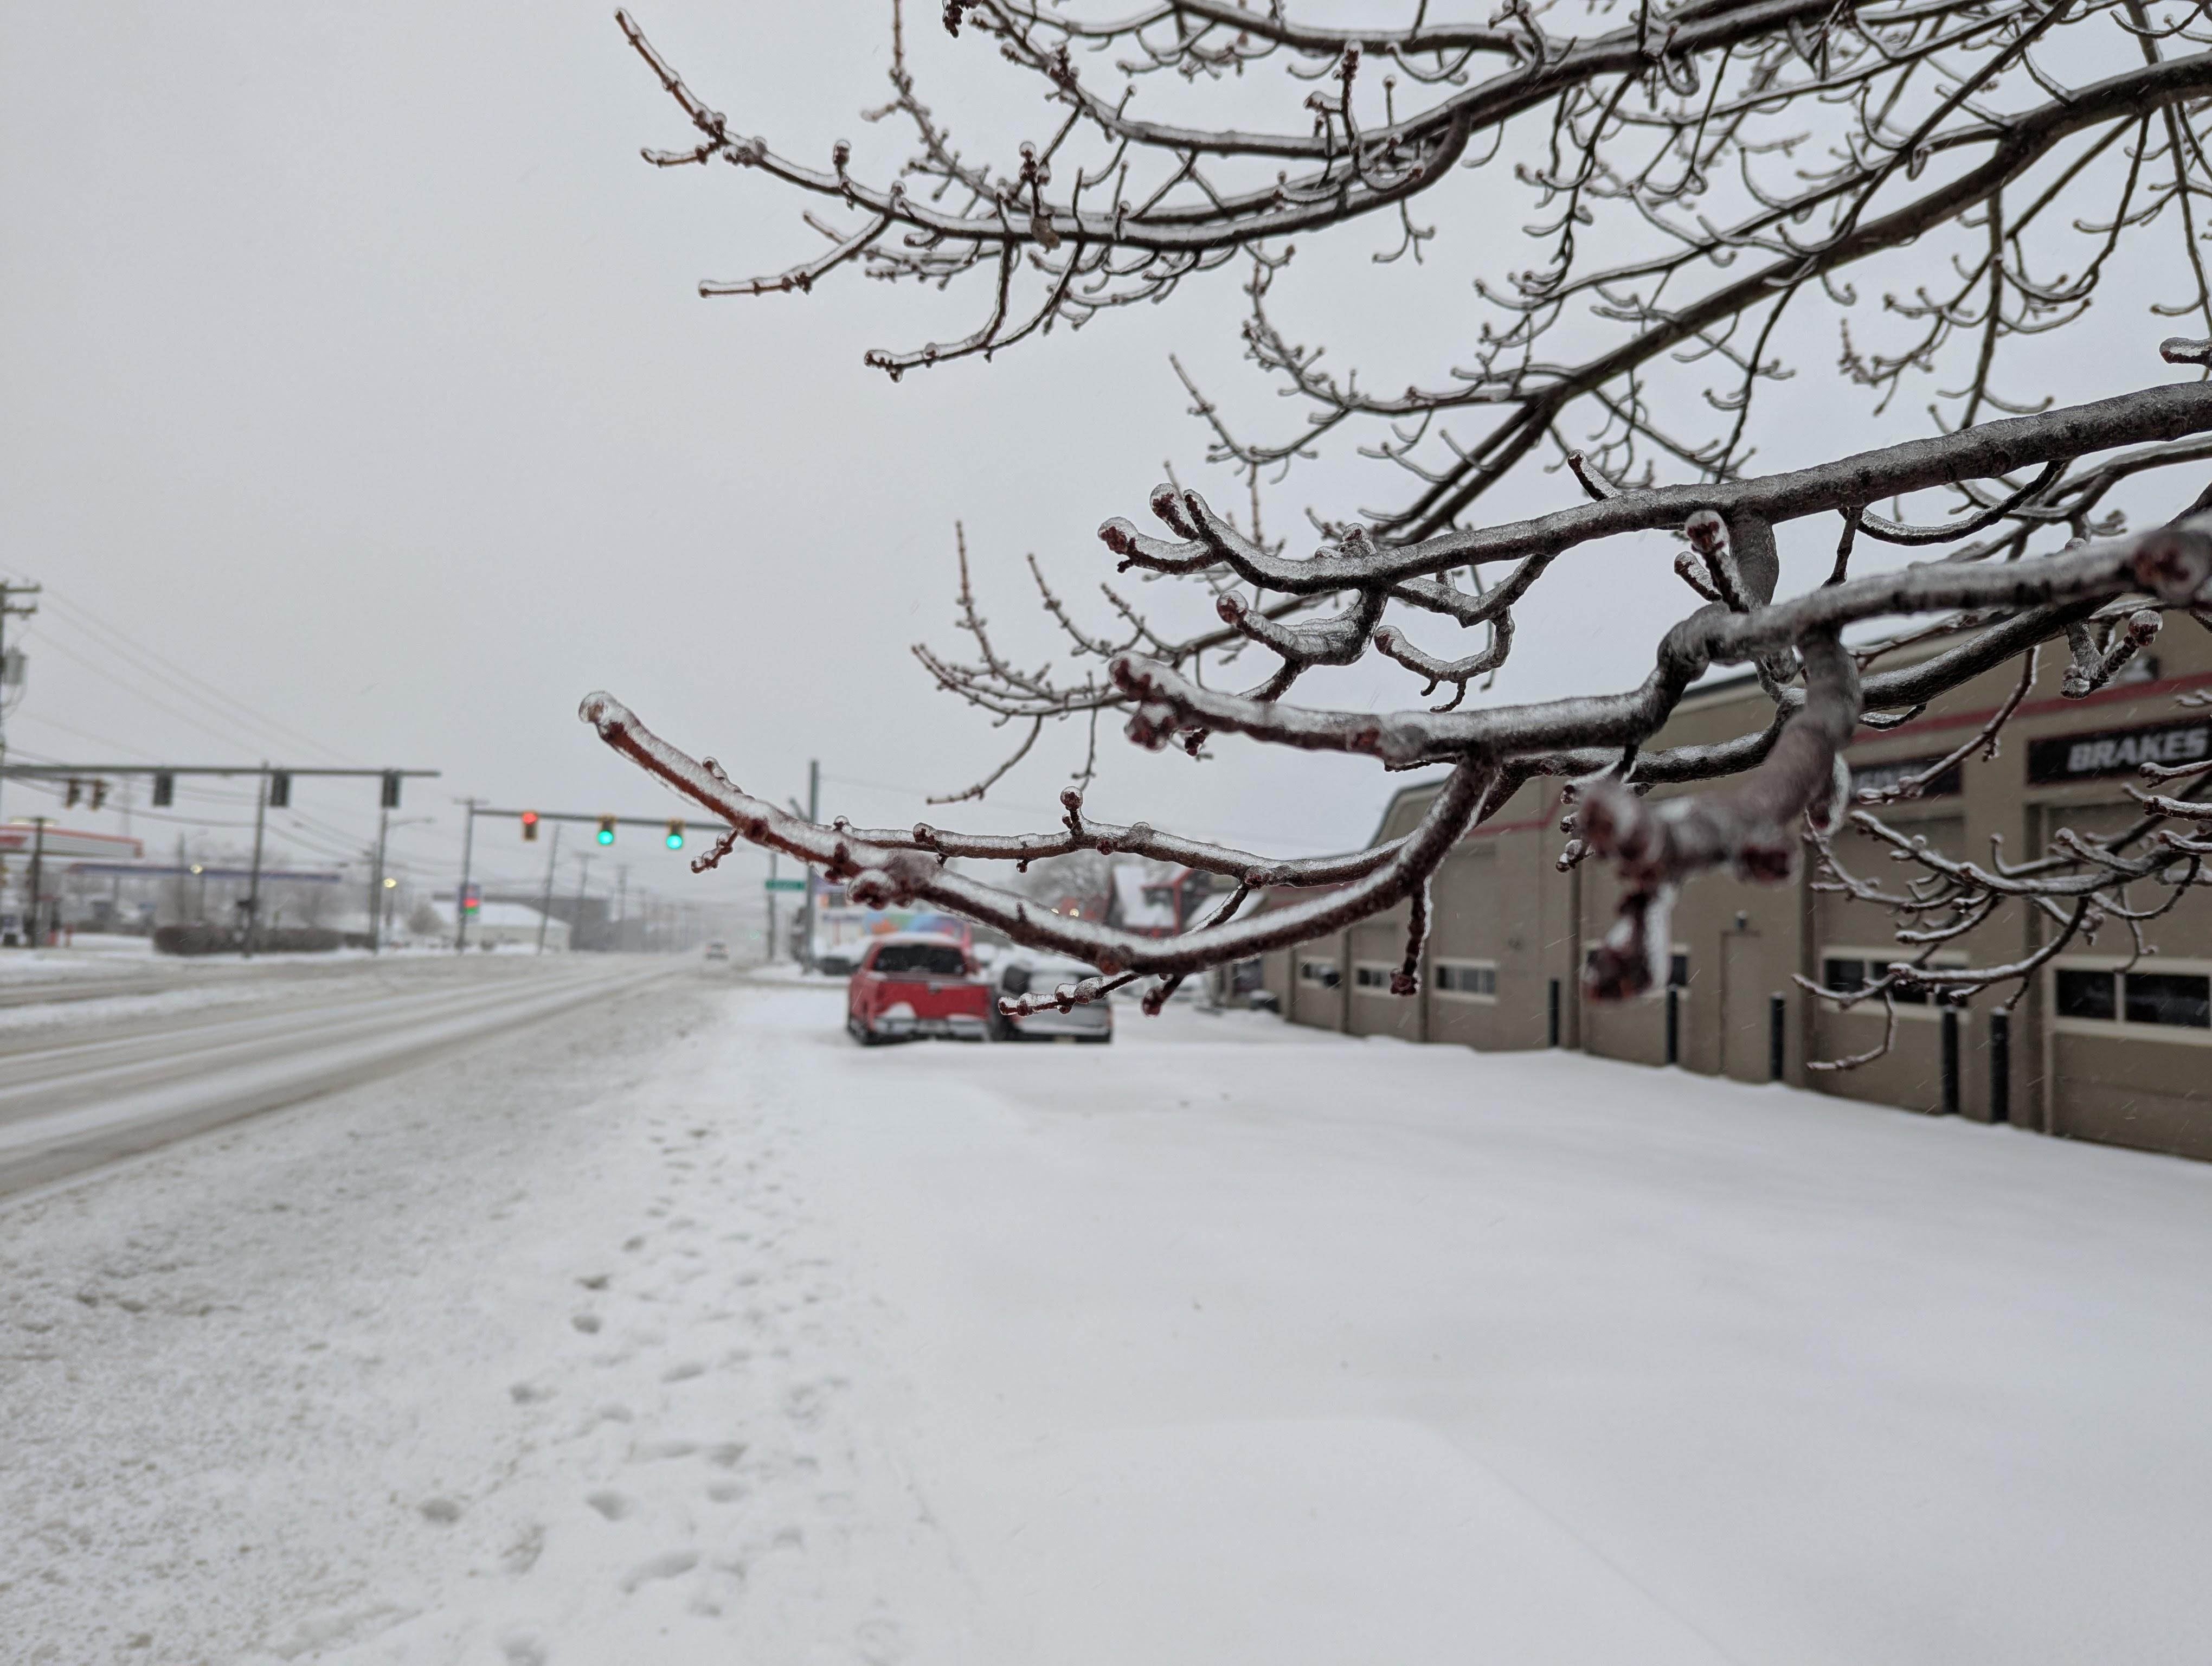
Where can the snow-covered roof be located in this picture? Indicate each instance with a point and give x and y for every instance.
(1140, 911)
(513, 915)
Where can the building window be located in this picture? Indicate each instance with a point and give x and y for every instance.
(1321, 973)
(1473, 980)
(1843, 974)
(1919, 994)
(1246, 976)
(2182, 999)
(2086, 995)
(1371, 977)
(2147, 1000)
(1845, 971)
(1678, 971)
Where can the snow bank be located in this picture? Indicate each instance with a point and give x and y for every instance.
(688, 1332)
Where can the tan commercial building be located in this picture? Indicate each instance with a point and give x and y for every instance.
(2101, 1047)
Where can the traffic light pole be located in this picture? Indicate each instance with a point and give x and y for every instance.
(813, 814)
(376, 885)
(254, 885)
(461, 900)
(35, 924)
(546, 913)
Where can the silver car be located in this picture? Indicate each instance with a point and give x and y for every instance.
(1024, 973)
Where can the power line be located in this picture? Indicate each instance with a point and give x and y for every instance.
(188, 682)
(229, 735)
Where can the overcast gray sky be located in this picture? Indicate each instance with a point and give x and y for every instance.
(359, 408)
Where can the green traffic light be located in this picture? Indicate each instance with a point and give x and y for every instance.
(606, 835)
(674, 841)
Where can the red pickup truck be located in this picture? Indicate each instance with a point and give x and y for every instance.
(909, 985)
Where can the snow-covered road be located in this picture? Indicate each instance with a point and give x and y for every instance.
(74, 1095)
(684, 1331)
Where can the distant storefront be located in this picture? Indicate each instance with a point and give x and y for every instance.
(2104, 1046)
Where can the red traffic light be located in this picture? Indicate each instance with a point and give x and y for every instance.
(530, 823)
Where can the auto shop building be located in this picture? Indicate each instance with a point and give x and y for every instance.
(2102, 1047)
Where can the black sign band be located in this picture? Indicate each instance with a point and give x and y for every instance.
(1888, 772)
(2118, 751)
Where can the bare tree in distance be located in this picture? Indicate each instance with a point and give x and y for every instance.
(1696, 173)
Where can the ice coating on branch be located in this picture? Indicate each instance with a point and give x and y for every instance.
(603, 712)
(2175, 562)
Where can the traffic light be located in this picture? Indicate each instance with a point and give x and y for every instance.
(165, 789)
(606, 830)
(75, 791)
(280, 789)
(529, 824)
(390, 799)
(98, 796)
(473, 901)
(675, 839)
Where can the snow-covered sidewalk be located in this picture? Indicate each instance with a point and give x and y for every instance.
(688, 1332)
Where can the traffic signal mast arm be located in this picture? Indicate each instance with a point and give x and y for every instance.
(666, 823)
(88, 771)
(277, 778)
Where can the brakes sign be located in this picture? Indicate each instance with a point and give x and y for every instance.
(2117, 752)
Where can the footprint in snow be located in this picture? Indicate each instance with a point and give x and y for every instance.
(442, 1512)
(595, 1281)
(612, 1505)
(881, 1642)
(806, 1402)
(684, 1372)
(587, 1322)
(528, 1394)
(646, 1452)
(522, 1554)
(669, 1565)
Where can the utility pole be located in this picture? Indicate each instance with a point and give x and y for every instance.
(576, 919)
(771, 907)
(546, 913)
(461, 900)
(11, 608)
(253, 884)
(813, 814)
(621, 903)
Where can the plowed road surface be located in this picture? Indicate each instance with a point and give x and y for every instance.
(100, 1087)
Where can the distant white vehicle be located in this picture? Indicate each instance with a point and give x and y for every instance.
(1025, 972)
(718, 950)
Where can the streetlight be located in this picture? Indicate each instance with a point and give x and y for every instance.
(379, 883)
